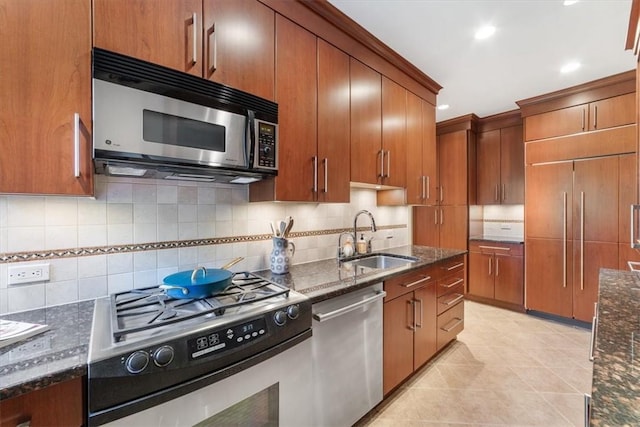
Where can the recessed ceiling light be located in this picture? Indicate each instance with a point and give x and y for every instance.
(485, 32)
(443, 106)
(569, 2)
(569, 67)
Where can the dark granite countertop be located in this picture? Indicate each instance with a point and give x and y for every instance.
(615, 394)
(502, 239)
(56, 355)
(322, 280)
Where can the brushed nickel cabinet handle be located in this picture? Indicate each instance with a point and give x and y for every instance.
(194, 58)
(381, 164)
(594, 326)
(496, 197)
(504, 192)
(417, 282)
(413, 310)
(213, 49)
(583, 113)
(497, 266)
(489, 266)
(428, 189)
(435, 217)
(454, 300)
(419, 325)
(595, 117)
(441, 216)
(496, 248)
(76, 145)
(582, 240)
(453, 267)
(315, 174)
(448, 328)
(424, 191)
(564, 240)
(326, 175)
(388, 163)
(441, 193)
(452, 284)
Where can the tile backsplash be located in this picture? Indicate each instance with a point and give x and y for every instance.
(135, 232)
(500, 220)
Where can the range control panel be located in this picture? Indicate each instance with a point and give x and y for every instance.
(266, 136)
(226, 339)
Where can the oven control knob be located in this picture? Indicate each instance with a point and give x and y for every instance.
(293, 311)
(280, 318)
(163, 356)
(137, 361)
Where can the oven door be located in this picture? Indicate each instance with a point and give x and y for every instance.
(134, 124)
(275, 392)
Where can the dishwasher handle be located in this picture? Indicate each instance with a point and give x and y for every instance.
(321, 317)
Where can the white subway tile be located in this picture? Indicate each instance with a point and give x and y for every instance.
(145, 213)
(187, 230)
(239, 228)
(145, 233)
(224, 228)
(167, 232)
(61, 292)
(187, 256)
(25, 297)
(223, 212)
(167, 214)
(119, 192)
(167, 258)
(187, 195)
(144, 279)
(3, 211)
(240, 195)
(64, 269)
(61, 237)
(164, 272)
(206, 213)
(21, 239)
(145, 194)
(167, 194)
(119, 263)
(206, 254)
(61, 211)
(92, 235)
(223, 196)
(25, 211)
(92, 287)
(119, 282)
(92, 213)
(119, 234)
(4, 276)
(206, 196)
(92, 266)
(144, 260)
(187, 213)
(120, 213)
(240, 213)
(206, 230)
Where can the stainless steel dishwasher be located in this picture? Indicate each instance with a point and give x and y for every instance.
(347, 356)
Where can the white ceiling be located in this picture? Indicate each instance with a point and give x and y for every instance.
(534, 38)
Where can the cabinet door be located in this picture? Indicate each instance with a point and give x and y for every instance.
(394, 132)
(549, 276)
(595, 200)
(45, 79)
(416, 190)
(297, 104)
(481, 274)
(488, 168)
(616, 111)
(628, 195)
(509, 277)
(556, 123)
(426, 225)
(586, 267)
(425, 343)
(429, 152)
(453, 227)
(549, 200)
(334, 155)
(366, 123)
(453, 169)
(239, 45)
(165, 32)
(512, 165)
(398, 341)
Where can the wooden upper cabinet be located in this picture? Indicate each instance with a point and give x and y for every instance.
(606, 113)
(334, 155)
(45, 81)
(453, 168)
(394, 133)
(616, 111)
(366, 123)
(297, 103)
(429, 152)
(421, 152)
(165, 32)
(512, 165)
(230, 42)
(426, 226)
(488, 168)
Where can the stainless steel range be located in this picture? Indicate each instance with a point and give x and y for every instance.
(151, 354)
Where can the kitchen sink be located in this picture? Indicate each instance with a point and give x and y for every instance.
(381, 261)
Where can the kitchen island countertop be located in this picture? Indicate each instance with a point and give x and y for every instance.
(615, 394)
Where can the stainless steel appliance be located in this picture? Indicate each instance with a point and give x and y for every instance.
(347, 356)
(154, 360)
(155, 122)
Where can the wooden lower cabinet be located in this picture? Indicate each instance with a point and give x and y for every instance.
(57, 405)
(496, 272)
(414, 312)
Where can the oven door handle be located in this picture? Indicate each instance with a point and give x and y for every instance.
(322, 317)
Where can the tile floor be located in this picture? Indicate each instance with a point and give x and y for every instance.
(505, 369)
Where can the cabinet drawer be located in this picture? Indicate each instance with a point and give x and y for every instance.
(450, 324)
(452, 265)
(451, 283)
(498, 248)
(450, 299)
(409, 282)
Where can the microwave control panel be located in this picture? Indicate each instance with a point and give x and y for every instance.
(266, 154)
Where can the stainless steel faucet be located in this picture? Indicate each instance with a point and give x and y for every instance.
(355, 226)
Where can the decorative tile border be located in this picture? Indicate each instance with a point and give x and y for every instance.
(137, 247)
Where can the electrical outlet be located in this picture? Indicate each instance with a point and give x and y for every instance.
(505, 226)
(28, 273)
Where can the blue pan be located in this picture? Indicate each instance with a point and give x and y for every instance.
(199, 283)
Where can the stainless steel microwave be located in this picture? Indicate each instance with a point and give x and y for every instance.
(156, 134)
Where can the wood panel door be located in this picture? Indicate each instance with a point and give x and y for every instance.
(627, 188)
(512, 165)
(549, 200)
(566, 121)
(429, 152)
(426, 225)
(488, 168)
(454, 221)
(297, 104)
(239, 45)
(481, 274)
(165, 32)
(616, 111)
(398, 341)
(45, 80)
(549, 276)
(508, 279)
(394, 133)
(588, 259)
(425, 339)
(453, 169)
(366, 123)
(334, 154)
(595, 200)
(416, 191)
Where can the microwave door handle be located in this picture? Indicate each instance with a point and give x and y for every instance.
(251, 143)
